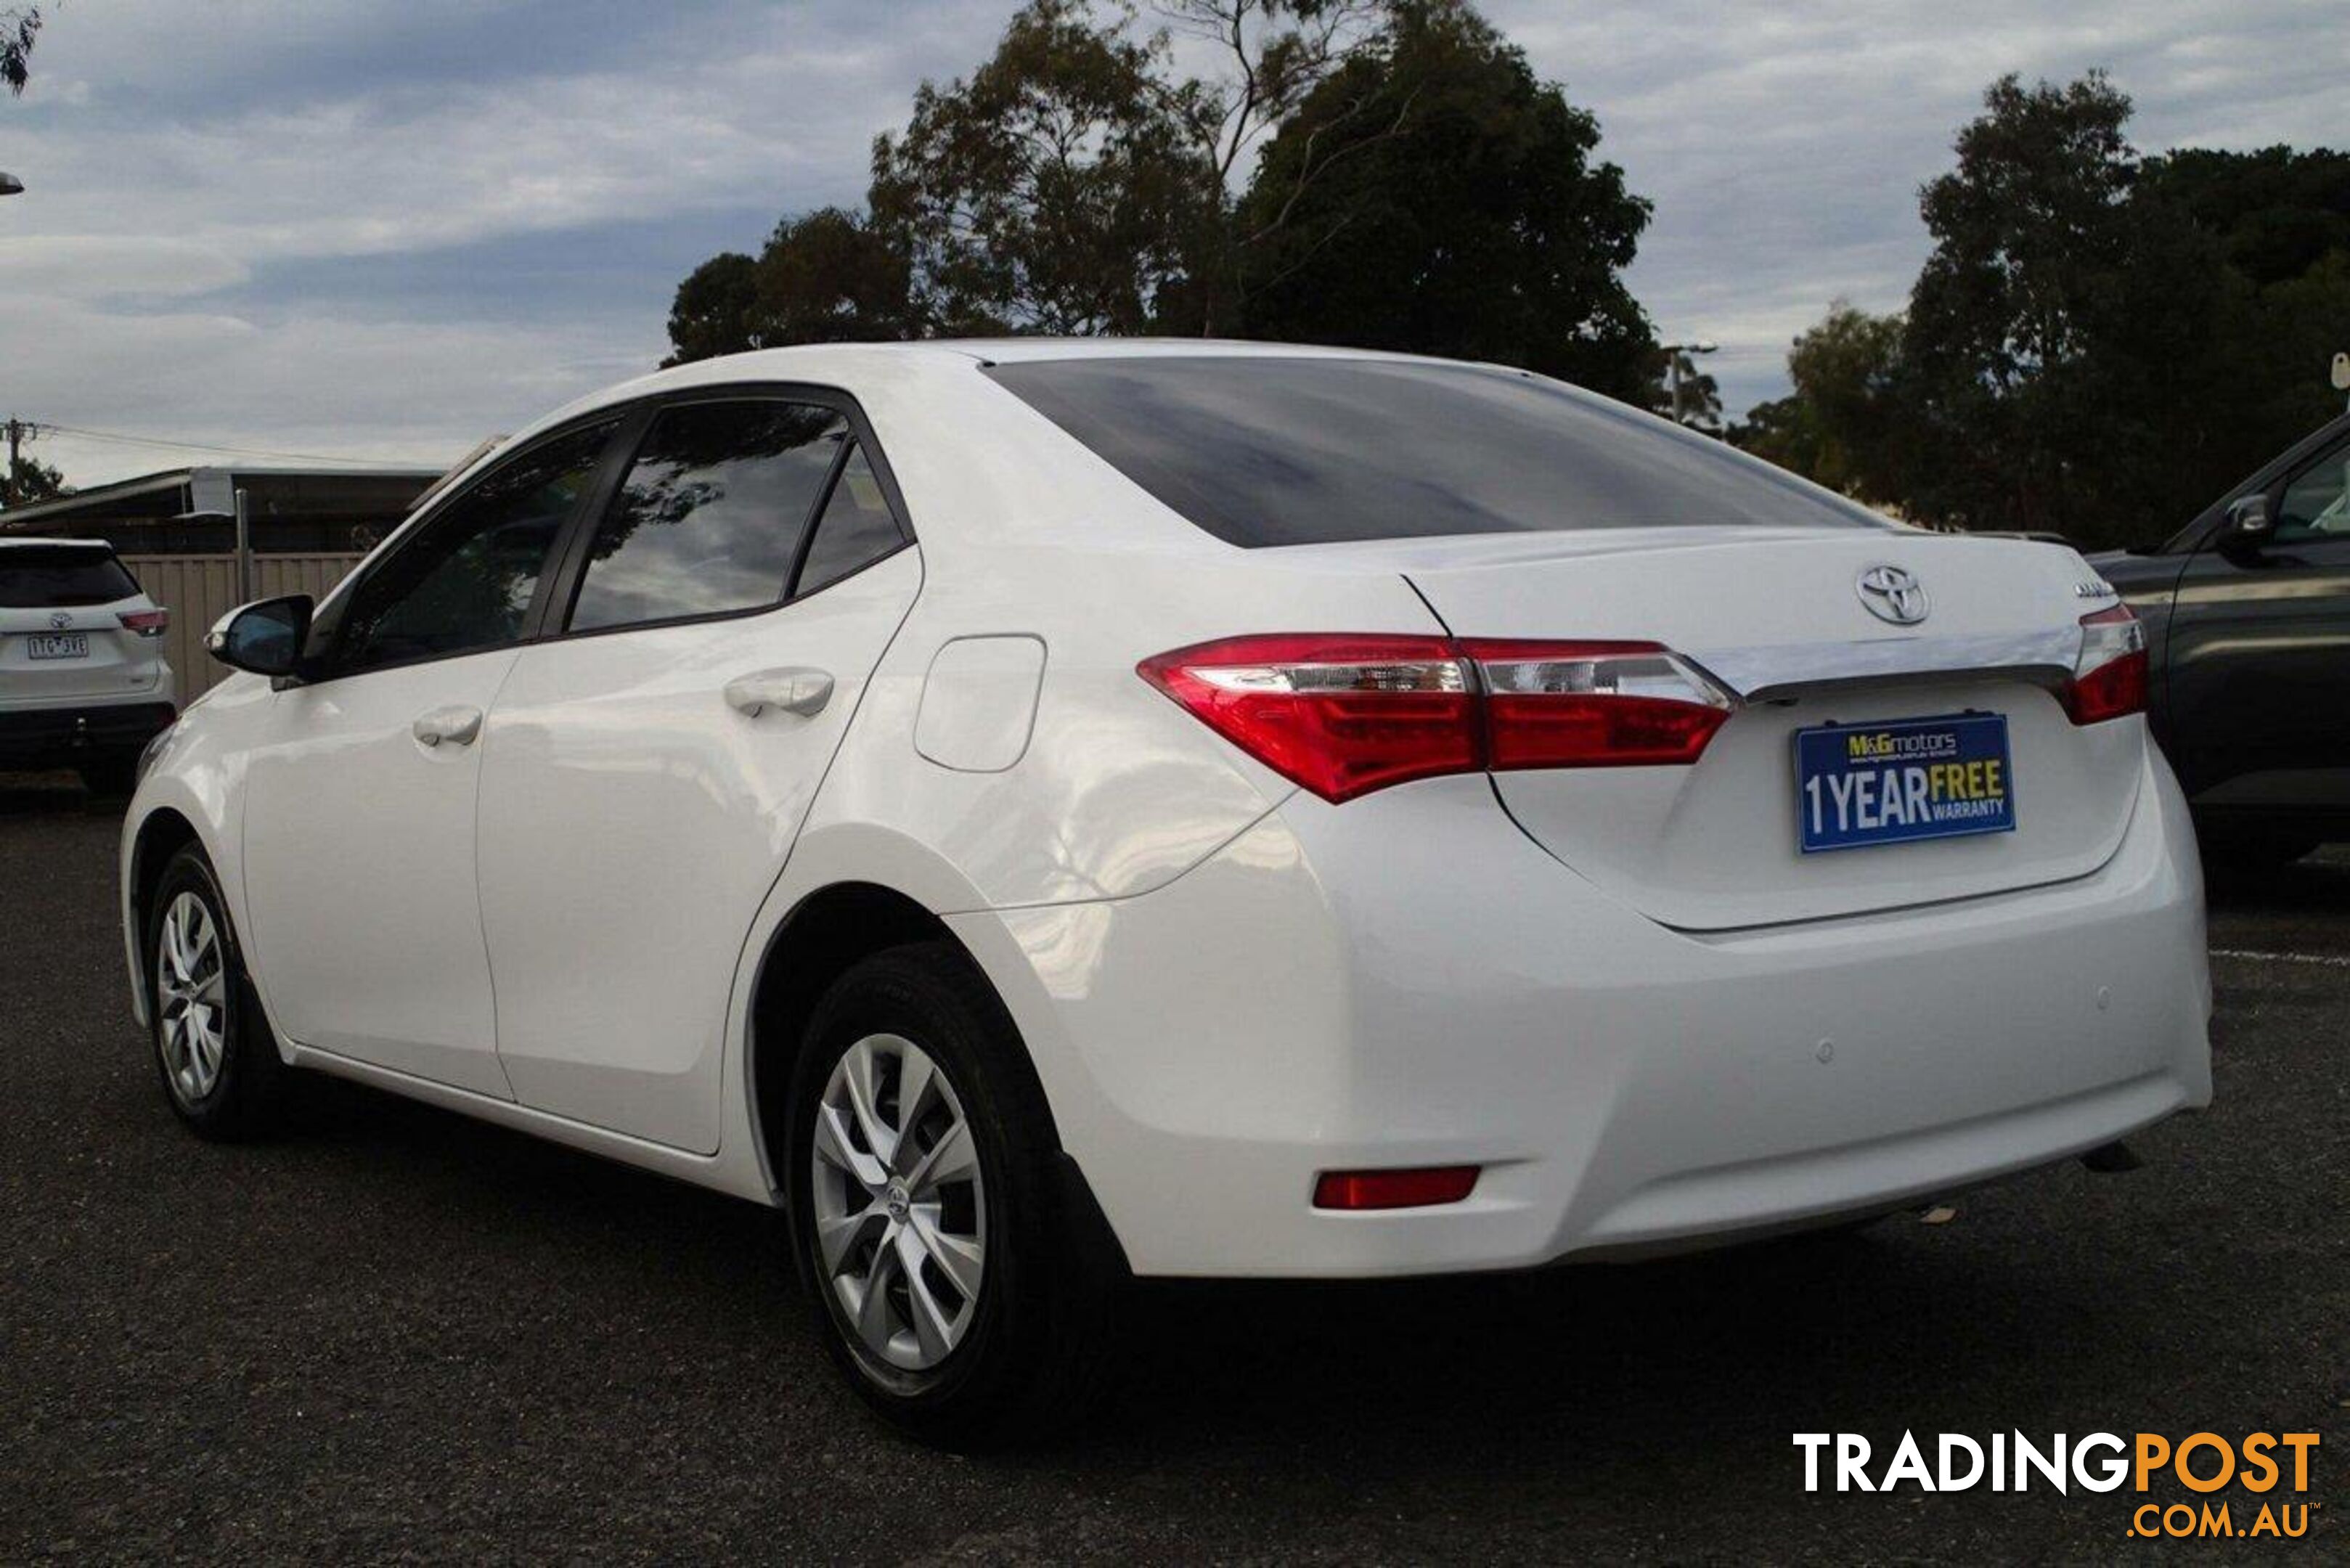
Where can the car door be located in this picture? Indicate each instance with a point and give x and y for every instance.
(361, 790)
(2260, 654)
(645, 771)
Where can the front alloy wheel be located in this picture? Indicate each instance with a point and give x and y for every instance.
(900, 1206)
(219, 1064)
(191, 997)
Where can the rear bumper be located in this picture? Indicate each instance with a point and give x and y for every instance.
(1416, 983)
(64, 736)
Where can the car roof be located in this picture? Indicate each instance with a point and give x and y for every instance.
(920, 357)
(759, 362)
(800, 360)
(1023, 350)
(803, 361)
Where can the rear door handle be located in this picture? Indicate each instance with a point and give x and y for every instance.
(793, 690)
(456, 726)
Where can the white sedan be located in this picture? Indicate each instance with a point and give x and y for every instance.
(1043, 812)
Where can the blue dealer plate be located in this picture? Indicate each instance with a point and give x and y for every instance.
(1859, 784)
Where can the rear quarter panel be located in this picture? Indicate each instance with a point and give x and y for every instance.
(1025, 533)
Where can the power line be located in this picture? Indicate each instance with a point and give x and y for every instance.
(47, 427)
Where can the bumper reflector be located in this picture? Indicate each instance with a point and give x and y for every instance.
(1394, 1189)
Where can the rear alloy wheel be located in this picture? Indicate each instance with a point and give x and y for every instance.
(900, 1206)
(959, 1277)
(218, 1062)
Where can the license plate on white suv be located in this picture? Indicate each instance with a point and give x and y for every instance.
(61, 645)
(1859, 784)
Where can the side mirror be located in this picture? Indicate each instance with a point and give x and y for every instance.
(2247, 525)
(265, 637)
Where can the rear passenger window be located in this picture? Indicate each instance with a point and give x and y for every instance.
(709, 514)
(856, 529)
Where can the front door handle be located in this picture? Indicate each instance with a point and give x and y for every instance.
(456, 726)
(795, 690)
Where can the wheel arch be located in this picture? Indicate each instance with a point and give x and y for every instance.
(162, 834)
(827, 932)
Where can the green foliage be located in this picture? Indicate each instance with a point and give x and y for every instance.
(826, 276)
(2097, 344)
(19, 28)
(1683, 393)
(2278, 212)
(1055, 190)
(2013, 316)
(35, 481)
(1434, 196)
(1411, 185)
(1843, 425)
(716, 310)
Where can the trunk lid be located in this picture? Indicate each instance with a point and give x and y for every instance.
(1778, 617)
(38, 662)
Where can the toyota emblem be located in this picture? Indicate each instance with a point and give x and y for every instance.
(59, 621)
(1892, 594)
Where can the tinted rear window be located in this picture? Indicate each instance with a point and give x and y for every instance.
(35, 576)
(1266, 451)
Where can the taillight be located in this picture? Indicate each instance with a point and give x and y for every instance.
(1341, 715)
(1346, 714)
(1595, 704)
(146, 622)
(2110, 677)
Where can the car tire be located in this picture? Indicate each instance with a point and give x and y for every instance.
(1021, 1354)
(113, 779)
(218, 1061)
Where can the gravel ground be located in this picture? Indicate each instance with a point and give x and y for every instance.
(396, 1334)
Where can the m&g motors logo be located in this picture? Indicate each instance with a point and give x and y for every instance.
(2272, 1469)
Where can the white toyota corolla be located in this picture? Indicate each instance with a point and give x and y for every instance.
(1041, 812)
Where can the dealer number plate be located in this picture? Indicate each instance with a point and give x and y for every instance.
(1862, 784)
(66, 645)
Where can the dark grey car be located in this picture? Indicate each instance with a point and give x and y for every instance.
(2247, 612)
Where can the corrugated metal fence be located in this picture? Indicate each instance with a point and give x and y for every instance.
(199, 589)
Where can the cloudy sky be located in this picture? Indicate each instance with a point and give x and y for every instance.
(385, 228)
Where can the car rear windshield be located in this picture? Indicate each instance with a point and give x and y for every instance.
(1262, 450)
(41, 577)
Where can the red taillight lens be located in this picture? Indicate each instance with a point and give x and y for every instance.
(1346, 714)
(146, 622)
(1341, 715)
(1595, 704)
(1394, 1189)
(2110, 677)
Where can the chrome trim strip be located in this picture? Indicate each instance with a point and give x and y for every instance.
(1761, 674)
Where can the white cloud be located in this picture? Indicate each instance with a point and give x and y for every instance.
(93, 266)
(176, 154)
(133, 218)
(1784, 145)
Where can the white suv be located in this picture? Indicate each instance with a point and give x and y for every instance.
(83, 680)
(1037, 811)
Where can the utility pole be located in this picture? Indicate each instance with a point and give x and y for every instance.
(243, 550)
(16, 433)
